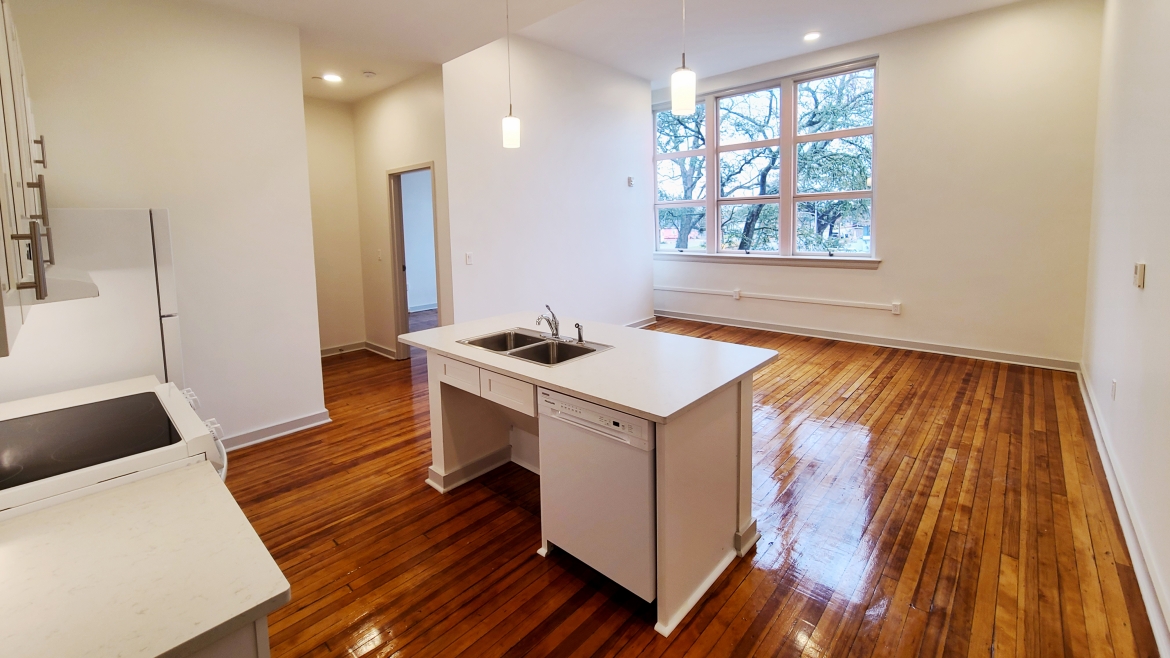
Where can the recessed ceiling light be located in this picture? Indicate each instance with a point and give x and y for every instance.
(811, 36)
(333, 77)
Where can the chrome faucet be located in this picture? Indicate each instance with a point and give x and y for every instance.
(554, 325)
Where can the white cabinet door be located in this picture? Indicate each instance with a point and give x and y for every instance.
(20, 202)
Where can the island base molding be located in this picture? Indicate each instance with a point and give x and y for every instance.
(746, 538)
(666, 627)
(468, 472)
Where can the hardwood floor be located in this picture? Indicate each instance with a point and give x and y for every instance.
(420, 320)
(911, 504)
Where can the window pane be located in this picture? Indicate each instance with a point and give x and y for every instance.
(749, 117)
(682, 227)
(836, 165)
(682, 179)
(754, 172)
(750, 227)
(833, 226)
(835, 103)
(676, 133)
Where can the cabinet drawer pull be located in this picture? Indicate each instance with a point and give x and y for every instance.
(43, 197)
(44, 161)
(40, 280)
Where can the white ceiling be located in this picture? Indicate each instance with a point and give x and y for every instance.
(397, 39)
(644, 37)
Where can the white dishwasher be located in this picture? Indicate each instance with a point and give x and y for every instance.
(597, 488)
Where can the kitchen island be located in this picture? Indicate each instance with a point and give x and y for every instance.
(696, 392)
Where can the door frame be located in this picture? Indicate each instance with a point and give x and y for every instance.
(398, 251)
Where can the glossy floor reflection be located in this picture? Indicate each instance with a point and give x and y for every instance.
(910, 504)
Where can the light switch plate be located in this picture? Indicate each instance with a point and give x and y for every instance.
(1139, 275)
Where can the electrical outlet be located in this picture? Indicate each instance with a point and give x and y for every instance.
(1113, 390)
(735, 294)
(630, 181)
(896, 308)
(379, 254)
(1139, 275)
(467, 258)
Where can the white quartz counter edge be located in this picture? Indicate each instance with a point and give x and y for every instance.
(159, 567)
(633, 377)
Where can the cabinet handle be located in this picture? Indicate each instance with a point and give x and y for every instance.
(44, 161)
(40, 280)
(43, 196)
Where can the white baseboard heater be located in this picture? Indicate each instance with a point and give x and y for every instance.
(892, 307)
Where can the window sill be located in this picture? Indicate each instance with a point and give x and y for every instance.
(839, 262)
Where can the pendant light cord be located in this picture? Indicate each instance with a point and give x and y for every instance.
(508, 31)
(684, 51)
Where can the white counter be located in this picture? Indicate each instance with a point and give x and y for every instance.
(650, 374)
(164, 565)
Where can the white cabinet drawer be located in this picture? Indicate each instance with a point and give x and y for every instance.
(511, 393)
(456, 373)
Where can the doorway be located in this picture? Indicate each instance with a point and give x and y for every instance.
(412, 213)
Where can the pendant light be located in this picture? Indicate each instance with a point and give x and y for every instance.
(682, 82)
(511, 124)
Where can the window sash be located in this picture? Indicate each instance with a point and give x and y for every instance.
(787, 198)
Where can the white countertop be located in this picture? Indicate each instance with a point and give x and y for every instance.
(650, 374)
(165, 564)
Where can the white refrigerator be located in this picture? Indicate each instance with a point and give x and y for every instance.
(130, 329)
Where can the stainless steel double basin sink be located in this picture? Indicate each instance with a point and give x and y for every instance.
(535, 347)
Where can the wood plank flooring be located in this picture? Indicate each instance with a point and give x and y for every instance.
(910, 504)
(420, 320)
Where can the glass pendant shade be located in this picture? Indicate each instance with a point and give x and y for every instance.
(682, 92)
(511, 132)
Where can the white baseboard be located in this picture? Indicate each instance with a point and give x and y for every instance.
(342, 349)
(421, 307)
(275, 431)
(644, 322)
(379, 349)
(987, 355)
(356, 347)
(1135, 537)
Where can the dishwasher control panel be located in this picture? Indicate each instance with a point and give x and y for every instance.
(638, 432)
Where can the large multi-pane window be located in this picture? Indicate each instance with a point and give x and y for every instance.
(784, 168)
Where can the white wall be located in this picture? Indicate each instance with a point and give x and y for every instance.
(1126, 328)
(552, 222)
(983, 163)
(418, 218)
(179, 105)
(398, 128)
(336, 237)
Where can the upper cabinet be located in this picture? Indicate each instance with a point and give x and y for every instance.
(30, 274)
(19, 266)
(27, 242)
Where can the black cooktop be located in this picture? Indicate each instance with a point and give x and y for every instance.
(36, 447)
